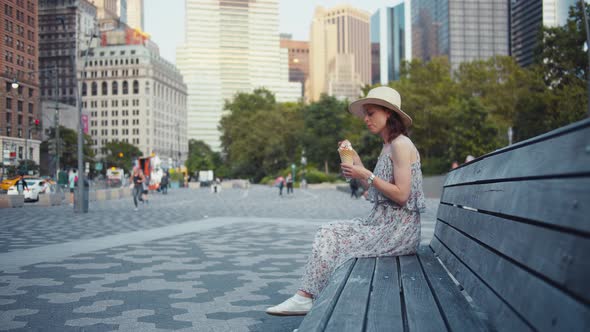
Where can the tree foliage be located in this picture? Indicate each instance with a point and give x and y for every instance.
(201, 157)
(121, 155)
(456, 113)
(259, 137)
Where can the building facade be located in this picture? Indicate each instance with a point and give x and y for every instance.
(135, 96)
(527, 18)
(390, 42)
(298, 59)
(135, 17)
(230, 47)
(461, 30)
(19, 138)
(340, 53)
(65, 27)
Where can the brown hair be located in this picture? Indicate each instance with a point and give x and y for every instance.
(394, 124)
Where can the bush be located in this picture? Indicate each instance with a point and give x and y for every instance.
(315, 176)
(176, 177)
(436, 166)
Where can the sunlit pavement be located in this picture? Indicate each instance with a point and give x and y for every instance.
(187, 261)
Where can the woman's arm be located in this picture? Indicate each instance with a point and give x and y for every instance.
(399, 191)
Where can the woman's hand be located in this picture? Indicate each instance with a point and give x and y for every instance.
(355, 171)
(356, 159)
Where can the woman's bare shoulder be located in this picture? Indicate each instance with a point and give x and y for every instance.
(403, 147)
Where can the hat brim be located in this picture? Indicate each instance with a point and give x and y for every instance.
(357, 108)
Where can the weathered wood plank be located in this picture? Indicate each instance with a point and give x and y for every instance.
(349, 313)
(385, 310)
(317, 319)
(541, 156)
(543, 306)
(459, 314)
(421, 308)
(561, 257)
(558, 202)
(502, 316)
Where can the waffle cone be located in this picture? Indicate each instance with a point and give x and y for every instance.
(346, 156)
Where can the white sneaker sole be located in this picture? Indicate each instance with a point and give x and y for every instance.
(287, 313)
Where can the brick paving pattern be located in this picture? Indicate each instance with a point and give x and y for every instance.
(187, 261)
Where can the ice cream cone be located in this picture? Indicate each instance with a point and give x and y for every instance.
(346, 156)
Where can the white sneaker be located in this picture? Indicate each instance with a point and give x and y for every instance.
(291, 307)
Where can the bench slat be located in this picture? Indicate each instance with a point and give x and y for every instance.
(482, 295)
(459, 314)
(541, 156)
(420, 305)
(349, 314)
(317, 319)
(544, 306)
(385, 310)
(559, 256)
(558, 202)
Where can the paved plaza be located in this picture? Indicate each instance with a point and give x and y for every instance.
(187, 261)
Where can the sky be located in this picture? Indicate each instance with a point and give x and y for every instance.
(164, 20)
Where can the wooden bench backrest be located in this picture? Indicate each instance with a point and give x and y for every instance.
(513, 228)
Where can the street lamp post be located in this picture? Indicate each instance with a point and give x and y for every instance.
(15, 85)
(303, 163)
(587, 49)
(80, 204)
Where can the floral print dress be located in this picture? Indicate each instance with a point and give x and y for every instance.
(389, 230)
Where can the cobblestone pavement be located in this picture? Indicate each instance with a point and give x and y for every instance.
(187, 261)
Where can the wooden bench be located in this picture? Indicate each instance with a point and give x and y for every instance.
(511, 251)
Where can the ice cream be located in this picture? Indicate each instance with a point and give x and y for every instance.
(346, 152)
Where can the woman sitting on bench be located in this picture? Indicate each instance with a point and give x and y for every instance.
(393, 226)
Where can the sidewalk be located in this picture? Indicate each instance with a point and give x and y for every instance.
(210, 274)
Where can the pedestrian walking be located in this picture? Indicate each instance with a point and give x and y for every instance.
(21, 184)
(72, 182)
(392, 228)
(164, 183)
(138, 179)
(289, 184)
(280, 182)
(354, 187)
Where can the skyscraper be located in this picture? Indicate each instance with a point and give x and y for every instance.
(528, 16)
(298, 59)
(231, 46)
(340, 52)
(461, 30)
(390, 42)
(135, 17)
(20, 107)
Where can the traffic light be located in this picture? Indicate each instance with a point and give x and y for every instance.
(51, 146)
(37, 124)
(120, 154)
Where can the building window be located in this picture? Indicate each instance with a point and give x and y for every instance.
(115, 89)
(30, 108)
(84, 89)
(19, 106)
(125, 87)
(135, 87)
(105, 88)
(8, 103)
(94, 89)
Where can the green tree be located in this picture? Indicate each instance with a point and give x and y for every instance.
(326, 122)
(560, 51)
(200, 157)
(474, 134)
(259, 137)
(120, 154)
(69, 151)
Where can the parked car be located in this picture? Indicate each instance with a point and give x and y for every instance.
(7, 183)
(35, 188)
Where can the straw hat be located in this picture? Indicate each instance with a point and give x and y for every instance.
(382, 96)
